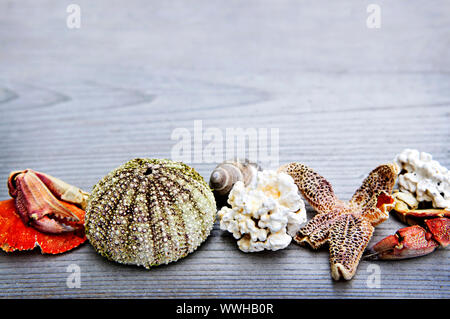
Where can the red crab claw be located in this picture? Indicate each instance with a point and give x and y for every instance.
(413, 241)
(440, 228)
(38, 199)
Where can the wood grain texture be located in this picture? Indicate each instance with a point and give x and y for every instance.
(76, 103)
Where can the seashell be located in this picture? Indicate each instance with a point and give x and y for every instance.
(149, 212)
(227, 173)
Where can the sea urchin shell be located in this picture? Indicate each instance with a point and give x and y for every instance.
(149, 212)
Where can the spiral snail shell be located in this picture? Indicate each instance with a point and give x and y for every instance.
(227, 173)
(149, 212)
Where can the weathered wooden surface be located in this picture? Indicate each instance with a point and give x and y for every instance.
(76, 103)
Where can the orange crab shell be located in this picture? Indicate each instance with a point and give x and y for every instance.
(15, 235)
(416, 216)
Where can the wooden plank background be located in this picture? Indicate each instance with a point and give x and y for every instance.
(76, 103)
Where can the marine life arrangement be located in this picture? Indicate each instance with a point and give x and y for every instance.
(149, 212)
(423, 200)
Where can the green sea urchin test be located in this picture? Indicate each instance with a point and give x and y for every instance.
(149, 212)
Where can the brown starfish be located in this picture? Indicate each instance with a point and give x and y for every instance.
(347, 226)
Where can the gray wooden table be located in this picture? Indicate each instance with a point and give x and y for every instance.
(76, 103)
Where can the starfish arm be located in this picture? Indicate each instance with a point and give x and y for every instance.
(349, 236)
(381, 179)
(377, 209)
(314, 188)
(373, 197)
(316, 231)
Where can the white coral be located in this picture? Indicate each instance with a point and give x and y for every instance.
(265, 214)
(424, 178)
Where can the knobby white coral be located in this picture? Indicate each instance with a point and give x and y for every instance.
(424, 178)
(264, 215)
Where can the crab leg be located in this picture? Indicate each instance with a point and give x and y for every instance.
(417, 216)
(64, 191)
(50, 226)
(440, 228)
(413, 241)
(37, 197)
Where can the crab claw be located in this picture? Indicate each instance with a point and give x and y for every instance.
(51, 226)
(440, 228)
(38, 200)
(408, 242)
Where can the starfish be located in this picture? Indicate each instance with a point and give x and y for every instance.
(346, 226)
